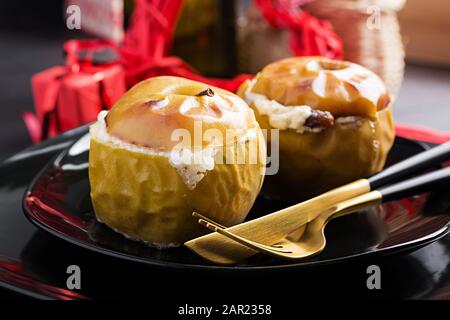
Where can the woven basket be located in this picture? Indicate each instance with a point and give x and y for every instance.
(374, 42)
(379, 49)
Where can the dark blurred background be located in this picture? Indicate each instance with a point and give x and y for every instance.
(31, 38)
(31, 34)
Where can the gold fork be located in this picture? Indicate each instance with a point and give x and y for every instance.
(313, 240)
(271, 228)
(274, 227)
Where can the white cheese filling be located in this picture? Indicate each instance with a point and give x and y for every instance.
(191, 165)
(280, 116)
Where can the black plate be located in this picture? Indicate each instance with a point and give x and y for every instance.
(58, 201)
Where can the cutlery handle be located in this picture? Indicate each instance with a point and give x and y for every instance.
(423, 160)
(426, 182)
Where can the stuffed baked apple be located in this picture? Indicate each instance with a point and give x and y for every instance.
(334, 120)
(171, 146)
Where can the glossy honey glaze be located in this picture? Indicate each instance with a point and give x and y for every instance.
(340, 87)
(149, 113)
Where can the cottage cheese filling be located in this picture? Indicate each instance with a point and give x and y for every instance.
(280, 116)
(191, 165)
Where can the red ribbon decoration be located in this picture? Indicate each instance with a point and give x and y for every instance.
(309, 36)
(145, 51)
(80, 54)
(421, 133)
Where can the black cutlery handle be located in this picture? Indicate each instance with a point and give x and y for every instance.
(426, 182)
(423, 160)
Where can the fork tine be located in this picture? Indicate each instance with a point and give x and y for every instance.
(208, 225)
(251, 244)
(276, 246)
(200, 216)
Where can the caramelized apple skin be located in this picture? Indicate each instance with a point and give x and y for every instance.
(312, 163)
(143, 196)
(340, 87)
(149, 113)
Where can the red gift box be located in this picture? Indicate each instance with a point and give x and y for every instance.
(69, 96)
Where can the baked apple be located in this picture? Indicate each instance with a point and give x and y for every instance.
(334, 120)
(171, 146)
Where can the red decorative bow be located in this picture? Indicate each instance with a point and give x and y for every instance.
(145, 51)
(309, 36)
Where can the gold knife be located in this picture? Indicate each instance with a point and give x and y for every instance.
(271, 228)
